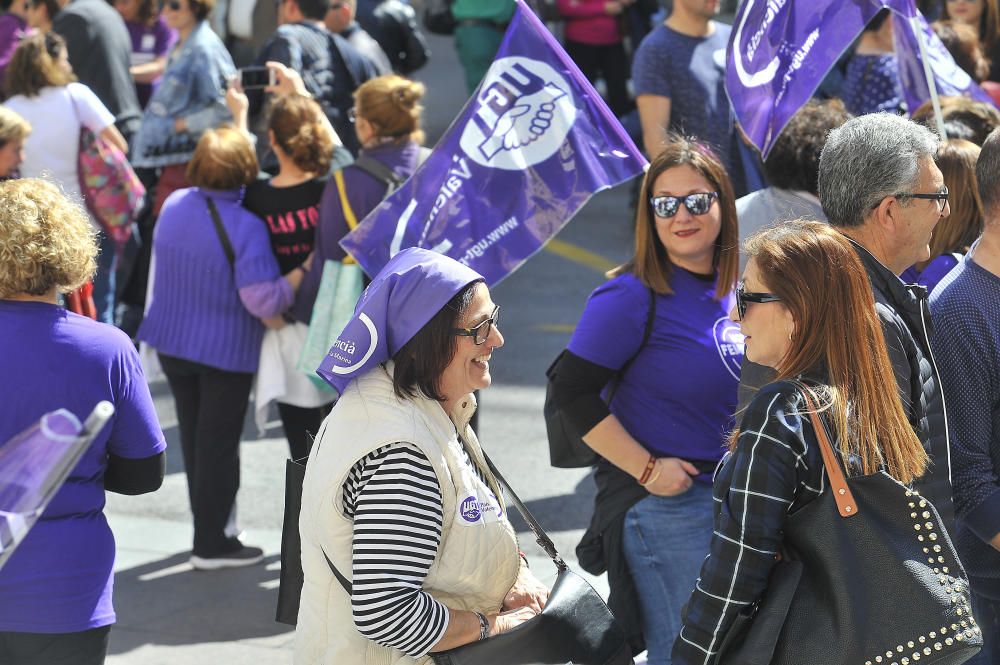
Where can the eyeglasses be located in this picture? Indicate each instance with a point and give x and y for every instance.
(666, 207)
(481, 332)
(940, 197)
(743, 297)
(352, 114)
(173, 6)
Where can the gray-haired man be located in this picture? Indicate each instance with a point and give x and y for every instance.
(879, 186)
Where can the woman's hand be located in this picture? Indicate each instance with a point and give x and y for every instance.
(526, 592)
(675, 477)
(238, 104)
(509, 620)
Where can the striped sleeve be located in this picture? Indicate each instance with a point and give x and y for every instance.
(768, 472)
(394, 498)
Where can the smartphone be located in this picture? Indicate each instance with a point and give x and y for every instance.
(256, 78)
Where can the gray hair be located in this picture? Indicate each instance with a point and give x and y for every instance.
(867, 159)
(988, 172)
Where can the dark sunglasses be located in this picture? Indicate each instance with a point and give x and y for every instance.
(666, 207)
(743, 297)
(481, 332)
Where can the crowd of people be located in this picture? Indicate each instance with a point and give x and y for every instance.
(855, 266)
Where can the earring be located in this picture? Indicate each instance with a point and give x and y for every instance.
(790, 339)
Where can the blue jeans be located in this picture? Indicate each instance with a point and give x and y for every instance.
(666, 539)
(104, 279)
(987, 613)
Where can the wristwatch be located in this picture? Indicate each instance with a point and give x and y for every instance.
(484, 626)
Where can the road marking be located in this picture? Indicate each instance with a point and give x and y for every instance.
(556, 327)
(579, 255)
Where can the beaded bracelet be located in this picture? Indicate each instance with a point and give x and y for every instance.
(650, 465)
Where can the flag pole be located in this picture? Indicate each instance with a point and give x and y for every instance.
(929, 74)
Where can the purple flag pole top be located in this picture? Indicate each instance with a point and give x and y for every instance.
(32, 466)
(780, 51)
(531, 146)
(950, 79)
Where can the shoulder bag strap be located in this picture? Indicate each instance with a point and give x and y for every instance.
(541, 537)
(220, 230)
(846, 505)
(375, 168)
(336, 573)
(650, 319)
(345, 205)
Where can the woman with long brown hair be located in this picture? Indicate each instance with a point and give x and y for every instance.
(955, 233)
(984, 16)
(806, 309)
(661, 325)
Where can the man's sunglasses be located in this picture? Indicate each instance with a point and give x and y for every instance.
(743, 297)
(666, 207)
(481, 332)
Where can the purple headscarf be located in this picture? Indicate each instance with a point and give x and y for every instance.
(412, 287)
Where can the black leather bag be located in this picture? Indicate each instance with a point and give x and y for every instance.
(438, 18)
(869, 576)
(575, 626)
(566, 447)
(290, 580)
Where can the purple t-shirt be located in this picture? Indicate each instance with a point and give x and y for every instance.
(149, 42)
(679, 396)
(60, 579)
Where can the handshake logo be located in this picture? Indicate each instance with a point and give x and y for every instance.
(523, 114)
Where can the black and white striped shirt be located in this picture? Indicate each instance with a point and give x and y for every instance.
(394, 498)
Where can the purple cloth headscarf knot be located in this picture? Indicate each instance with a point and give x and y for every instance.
(412, 287)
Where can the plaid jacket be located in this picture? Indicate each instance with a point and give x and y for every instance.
(775, 469)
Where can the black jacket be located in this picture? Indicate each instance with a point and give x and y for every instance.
(393, 24)
(906, 324)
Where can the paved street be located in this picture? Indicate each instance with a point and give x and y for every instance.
(168, 613)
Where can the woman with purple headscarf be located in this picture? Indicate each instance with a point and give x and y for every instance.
(397, 494)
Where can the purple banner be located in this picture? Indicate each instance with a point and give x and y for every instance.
(950, 79)
(780, 51)
(32, 467)
(531, 146)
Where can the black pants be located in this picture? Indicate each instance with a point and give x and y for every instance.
(88, 647)
(608, 62)
(300, 425)
(211, 404)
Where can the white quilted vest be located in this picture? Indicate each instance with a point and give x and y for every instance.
(477, 560)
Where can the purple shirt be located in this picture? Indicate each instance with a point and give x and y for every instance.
(197, 312)
(678, 397)
(12, 28)
(60, 578)
(149, 42)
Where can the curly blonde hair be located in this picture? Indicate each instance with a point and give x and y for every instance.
(46, 240)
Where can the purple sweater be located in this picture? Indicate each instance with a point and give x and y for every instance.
(364, 192)
(203, 310)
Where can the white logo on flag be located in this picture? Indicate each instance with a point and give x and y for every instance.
(524, 112)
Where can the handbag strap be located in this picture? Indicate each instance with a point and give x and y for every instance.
(220, 230)
(647, 331)
(846, 505)
(541, 537)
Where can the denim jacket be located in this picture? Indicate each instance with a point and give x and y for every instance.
(193, 88)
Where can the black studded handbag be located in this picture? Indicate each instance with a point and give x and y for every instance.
(869, 576)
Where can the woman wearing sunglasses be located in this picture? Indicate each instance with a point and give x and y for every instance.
(397, 495)
(806, 308)
(661, 436)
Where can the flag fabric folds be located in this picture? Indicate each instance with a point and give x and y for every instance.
(531, 146)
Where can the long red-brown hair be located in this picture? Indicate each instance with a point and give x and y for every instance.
(820, 279)
(651, 263)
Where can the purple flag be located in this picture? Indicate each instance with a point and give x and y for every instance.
(531, 146)
(780, 51)
(33, 466)
(949, 78)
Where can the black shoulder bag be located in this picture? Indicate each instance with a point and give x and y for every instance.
(869, 575)
(566, 447)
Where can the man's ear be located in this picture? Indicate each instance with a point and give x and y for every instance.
(887, 215)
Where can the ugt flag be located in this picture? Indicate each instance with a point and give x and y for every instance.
(949, 78)
(531, 146)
